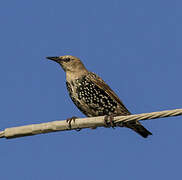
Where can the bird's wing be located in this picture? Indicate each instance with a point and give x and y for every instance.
(101, 84)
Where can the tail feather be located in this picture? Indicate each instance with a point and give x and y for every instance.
(138, 128)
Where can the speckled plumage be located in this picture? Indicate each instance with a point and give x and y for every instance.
(93, 100)
(91, 94)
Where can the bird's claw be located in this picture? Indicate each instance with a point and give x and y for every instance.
(69, 120)
(111, 122)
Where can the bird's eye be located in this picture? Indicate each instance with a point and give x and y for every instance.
(67, 59)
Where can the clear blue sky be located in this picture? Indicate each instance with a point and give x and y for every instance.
(135, 46)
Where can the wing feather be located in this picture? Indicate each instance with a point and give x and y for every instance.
(101, 84)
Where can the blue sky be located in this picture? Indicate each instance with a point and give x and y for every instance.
(135, 46)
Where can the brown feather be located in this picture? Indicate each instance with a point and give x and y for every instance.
(102, 85)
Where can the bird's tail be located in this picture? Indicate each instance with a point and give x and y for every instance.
(138, 128)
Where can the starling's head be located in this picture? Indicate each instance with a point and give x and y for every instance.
(69, 63)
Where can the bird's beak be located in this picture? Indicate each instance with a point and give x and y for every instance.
(56, 58)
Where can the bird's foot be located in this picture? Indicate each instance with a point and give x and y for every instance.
(110, 119)
(69, 120)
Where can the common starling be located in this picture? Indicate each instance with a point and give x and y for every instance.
(91, 94)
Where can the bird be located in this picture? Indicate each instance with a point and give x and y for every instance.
(92, 95)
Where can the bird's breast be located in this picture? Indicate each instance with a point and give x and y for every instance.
(89, 98)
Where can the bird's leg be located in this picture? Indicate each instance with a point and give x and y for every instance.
(110, 119)
(69, 120)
